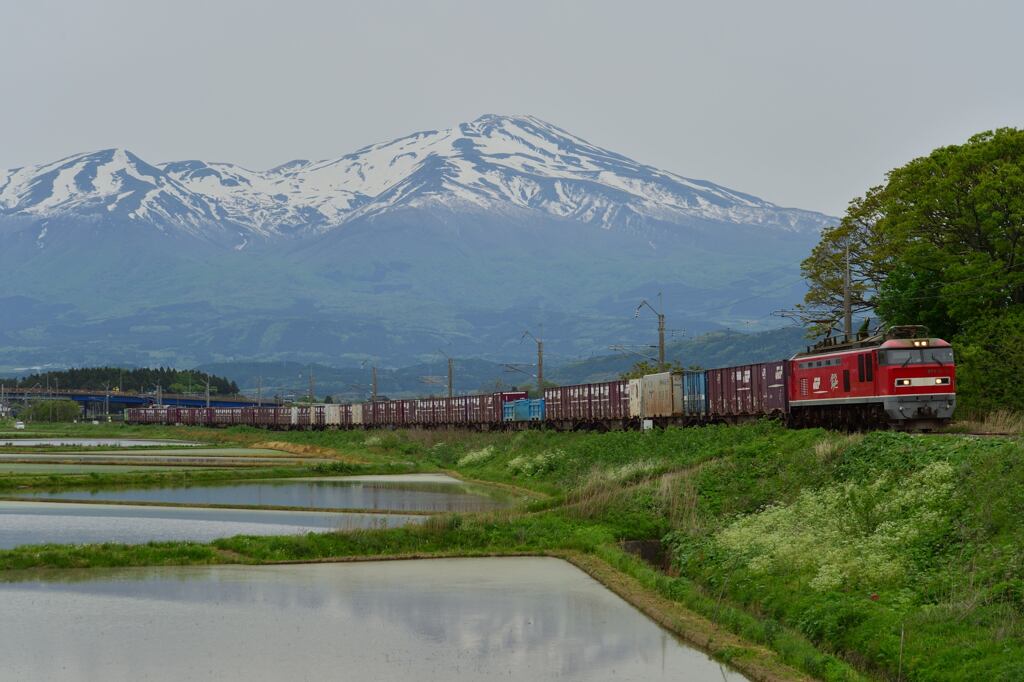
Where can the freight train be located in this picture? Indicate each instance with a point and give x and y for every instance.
(900, 378)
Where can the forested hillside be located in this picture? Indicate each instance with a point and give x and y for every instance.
(140, 380)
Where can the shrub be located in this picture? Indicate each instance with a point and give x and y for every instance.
(852, 535)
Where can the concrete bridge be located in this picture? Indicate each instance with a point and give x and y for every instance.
(97, 403)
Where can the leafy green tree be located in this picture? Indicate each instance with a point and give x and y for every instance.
(990, 363)
(52, 411)
(941, 242)
(857, 239)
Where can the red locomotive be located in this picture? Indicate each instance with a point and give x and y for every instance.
(901, 377)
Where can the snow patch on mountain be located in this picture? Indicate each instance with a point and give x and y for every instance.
(495, 163)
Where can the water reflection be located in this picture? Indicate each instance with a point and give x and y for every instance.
(33, 523)
(91, 442)
(460, 619)
(378, 493)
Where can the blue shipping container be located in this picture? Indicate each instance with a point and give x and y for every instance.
(695, 393)
(524, 410)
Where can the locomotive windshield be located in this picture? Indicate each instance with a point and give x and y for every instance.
(916, 356)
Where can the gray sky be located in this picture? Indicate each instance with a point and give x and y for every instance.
(803, 103)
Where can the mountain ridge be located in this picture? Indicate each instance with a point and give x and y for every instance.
(492, 163)
(459, 237)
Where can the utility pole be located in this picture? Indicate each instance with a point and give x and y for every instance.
(373, 385)
(540, 368)
(207, 390)
(540, 361)
(661, 326)
(451, 377)
(847, 297)
(312, 385)
(259, 391)
(661, 340)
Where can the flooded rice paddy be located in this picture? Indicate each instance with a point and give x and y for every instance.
(92, 442)
(446, 619)
(196, 457)
(409, 493)
(56, 467)
(35, 523)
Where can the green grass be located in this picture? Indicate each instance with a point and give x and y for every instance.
(887, 555)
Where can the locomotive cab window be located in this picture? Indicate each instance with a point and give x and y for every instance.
(927, 356)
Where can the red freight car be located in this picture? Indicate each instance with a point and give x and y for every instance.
(385, 413)
(344, 418)
(494, 405)
(747, 391)
(225, 416)
(606, 401)
(475, 408)
(271, 417)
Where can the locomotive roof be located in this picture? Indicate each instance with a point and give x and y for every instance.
(872, 343)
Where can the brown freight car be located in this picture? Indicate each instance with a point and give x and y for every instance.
(747, 391)
(604, 404)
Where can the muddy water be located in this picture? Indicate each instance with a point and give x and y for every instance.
(34, 523)
(530, 619)
(427, 493)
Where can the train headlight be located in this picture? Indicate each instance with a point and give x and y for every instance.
(903, 382)
(920, 343)
(941, 381)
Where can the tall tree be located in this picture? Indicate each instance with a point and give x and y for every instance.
(942, 242)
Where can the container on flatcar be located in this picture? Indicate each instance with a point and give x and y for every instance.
(460, 410)
(475, 408)
(386, 413)
(357, 414)
(495, 407)
(524, 410)
(599, 401)
(332, 416)
(636, 398)
(537, 410)
(694, 390)
(661, 392)
(748, 390)
(270, 417)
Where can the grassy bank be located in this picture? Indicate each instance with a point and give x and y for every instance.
(889, 556)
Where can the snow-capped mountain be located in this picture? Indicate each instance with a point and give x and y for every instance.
(493, 164)
(456, 238)
(112, 182)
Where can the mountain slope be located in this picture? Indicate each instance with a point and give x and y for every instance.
(493, 163)
(461, 236)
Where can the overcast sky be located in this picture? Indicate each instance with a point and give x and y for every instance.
(803, 103)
